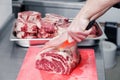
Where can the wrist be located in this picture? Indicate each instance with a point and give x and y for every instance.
(83, 22)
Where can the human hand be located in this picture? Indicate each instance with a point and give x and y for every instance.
(77, 29)
(87, 13)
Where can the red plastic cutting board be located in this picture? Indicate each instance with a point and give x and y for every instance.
(86, 70)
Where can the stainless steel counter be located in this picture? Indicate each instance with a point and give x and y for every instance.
(12, 56)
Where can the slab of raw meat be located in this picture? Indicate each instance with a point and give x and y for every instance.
(58, 60)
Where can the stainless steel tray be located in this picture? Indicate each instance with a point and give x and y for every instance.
(41, 41)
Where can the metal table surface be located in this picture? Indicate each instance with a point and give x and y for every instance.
(12, 56)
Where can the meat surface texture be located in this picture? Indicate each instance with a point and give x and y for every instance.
(30, 24)
(27, 24)
(58, 60)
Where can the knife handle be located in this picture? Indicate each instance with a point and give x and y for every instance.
(91, 23)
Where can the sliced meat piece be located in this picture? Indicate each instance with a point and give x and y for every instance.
(49, 26)
(19, 25)
(31, 28)
(20, 34)
(27, 24)
(42, 34)
(25, 27)
(30, 16)
(48, 29)
(60, 21)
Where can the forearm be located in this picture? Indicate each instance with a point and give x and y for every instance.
(93, 7)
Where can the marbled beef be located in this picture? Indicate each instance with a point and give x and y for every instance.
(58, 60)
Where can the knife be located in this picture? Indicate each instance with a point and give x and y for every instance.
(91, 23)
